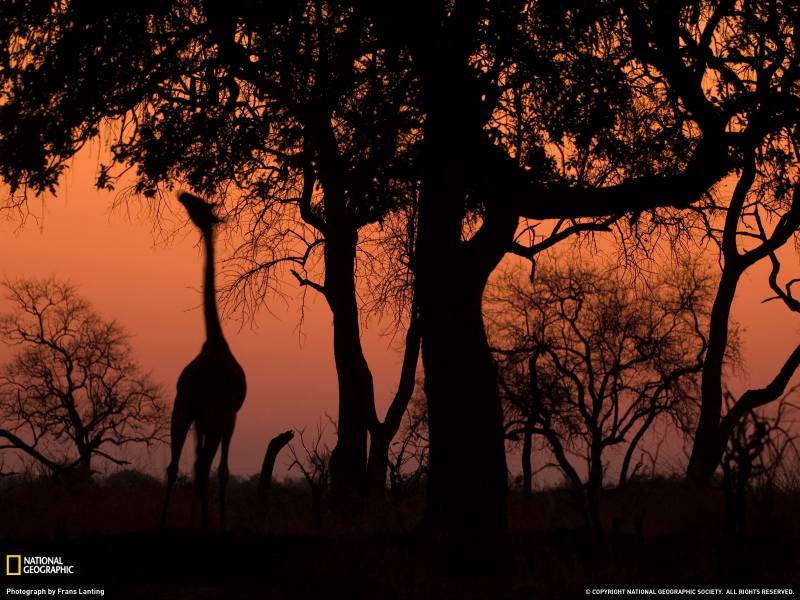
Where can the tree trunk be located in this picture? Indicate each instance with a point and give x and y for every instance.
(467, 484)
(378, 462)
(348, 465)
(711, 438)
(467, 477)
(709, 444)
(594, 492)
(84, 468)
(527, 449)
(530, 422)
(348, 462)
(382, 434)
(81, 473)
(275, 445)
(624, 472)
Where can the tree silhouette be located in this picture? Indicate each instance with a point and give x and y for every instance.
(756, 450)
(652, 100)
(760, 218)
(72, 391)
(313, 459)
(592, 362)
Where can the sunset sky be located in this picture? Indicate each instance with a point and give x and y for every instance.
(152, 287)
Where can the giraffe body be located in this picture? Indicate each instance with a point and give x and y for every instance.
(211, 388)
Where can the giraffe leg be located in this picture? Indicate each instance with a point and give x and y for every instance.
(179, 429)
(211, 441)
(222, 471)
(198, 451)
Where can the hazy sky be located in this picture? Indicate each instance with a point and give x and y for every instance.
(153, 289)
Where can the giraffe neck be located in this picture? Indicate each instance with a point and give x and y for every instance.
(213, 326)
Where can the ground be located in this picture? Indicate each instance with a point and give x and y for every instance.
(659, 535)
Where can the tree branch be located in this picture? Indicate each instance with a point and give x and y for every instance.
(307, 282)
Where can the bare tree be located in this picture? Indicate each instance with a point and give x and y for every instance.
(753, 456)
(591, 362)
(313, 459)
(72, 391)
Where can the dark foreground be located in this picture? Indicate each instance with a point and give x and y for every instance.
(107, 533)
(175, 564)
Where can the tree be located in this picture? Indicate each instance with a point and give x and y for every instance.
(756, 451)
(72, 391)
(313, 462)
(592, 362)
(645, 105)
(351, 131)
(761, 216)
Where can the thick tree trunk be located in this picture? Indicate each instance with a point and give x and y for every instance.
(348, 463)
(378, 461)
(356, 396)
(467, 477)
(467, 484)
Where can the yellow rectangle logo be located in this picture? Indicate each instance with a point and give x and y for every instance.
(11, 561)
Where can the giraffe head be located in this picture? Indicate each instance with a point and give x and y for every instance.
(200, 212)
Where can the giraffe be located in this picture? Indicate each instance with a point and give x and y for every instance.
(211, 389)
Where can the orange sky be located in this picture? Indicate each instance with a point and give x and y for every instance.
(152, 289)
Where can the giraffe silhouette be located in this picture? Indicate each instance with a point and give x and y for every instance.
(211, 389)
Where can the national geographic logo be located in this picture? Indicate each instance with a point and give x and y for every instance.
(16, 564)
(13, 564)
